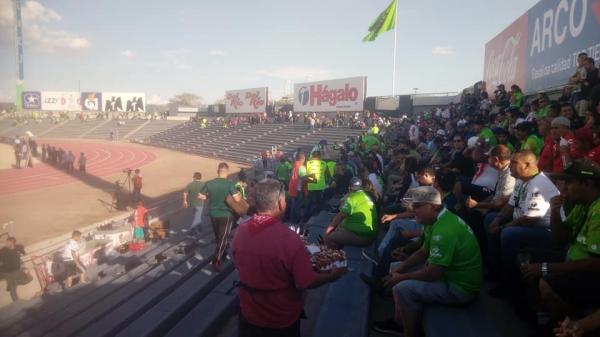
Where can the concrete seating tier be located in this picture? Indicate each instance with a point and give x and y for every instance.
(245, 143)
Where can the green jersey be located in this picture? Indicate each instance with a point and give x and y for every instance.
(369, 141)
(542, 113)
(361, 215)
(283, 171)
(489, 136)
(192, 190)
(533, 143)
(452, 245)
(584, 223)
(217, 190)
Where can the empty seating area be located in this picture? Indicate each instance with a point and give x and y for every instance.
(90, 129)
(245, 143)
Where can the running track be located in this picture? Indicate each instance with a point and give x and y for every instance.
(102, 160)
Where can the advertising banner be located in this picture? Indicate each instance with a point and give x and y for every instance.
(91, 101)
(506, 56)
(60, 101)
(539, 50)
(346, 94)
(558, 31)
(246, 100)
(124, 102)
(32, 100)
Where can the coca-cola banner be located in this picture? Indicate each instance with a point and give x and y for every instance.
(246, 100)
(346, 94)
(506, 56)
(539, 50)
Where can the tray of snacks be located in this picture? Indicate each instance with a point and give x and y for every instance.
(324, 258)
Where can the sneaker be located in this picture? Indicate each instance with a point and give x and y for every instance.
(367, 255)
(389, 327)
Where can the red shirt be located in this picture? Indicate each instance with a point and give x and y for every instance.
(274, 266)
(594, 154)
(551, 154)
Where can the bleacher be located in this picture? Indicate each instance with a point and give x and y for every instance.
(139, 129)
(245, 143)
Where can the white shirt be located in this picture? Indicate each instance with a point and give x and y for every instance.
(532, 198)
(376, 184)
(486, 176)
(72, 245)
(413, 133)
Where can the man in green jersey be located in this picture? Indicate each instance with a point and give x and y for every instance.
(190, 199)
(573, 282)
(221, 216)
(452, 273)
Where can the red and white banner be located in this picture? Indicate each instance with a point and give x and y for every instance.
(346, 94)
(60, 101)
(246, 100)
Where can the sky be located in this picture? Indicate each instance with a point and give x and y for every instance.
(163, 48)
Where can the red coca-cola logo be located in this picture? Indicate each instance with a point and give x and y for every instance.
(501, 68)
(254, 99)
(234, 100)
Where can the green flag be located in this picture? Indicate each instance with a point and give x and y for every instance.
(384, 22)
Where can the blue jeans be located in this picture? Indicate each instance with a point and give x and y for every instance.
(387, 244)
(197, 218)
(503, 248)
(413, 295)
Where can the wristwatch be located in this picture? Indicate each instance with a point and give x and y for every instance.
(544, 268)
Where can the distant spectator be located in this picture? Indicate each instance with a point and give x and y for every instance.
(10, 265)
(191, 199)
(70, 256)
(137, 186)
(82, 162)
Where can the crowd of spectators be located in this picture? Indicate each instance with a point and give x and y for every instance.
(500, 188)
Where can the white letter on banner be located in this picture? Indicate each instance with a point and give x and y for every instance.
(535, 43)
(560, 38)
(547, 29)
(575, 31)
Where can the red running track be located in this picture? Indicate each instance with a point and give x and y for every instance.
(102, 160)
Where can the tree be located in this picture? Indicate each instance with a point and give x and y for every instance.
(186, 99)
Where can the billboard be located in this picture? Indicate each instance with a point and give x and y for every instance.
(60, 101)
(32, 100)
(506, 56)
(91, 101)
(124, 102)
(346, 94)
(539, 50)
(246, 100)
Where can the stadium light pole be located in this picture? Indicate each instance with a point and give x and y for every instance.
(395, 47)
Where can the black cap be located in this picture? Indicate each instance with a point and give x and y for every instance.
(355, 183)
(580, 169)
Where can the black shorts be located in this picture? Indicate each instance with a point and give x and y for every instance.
(575, 288)
(247, 329)
(71, 268)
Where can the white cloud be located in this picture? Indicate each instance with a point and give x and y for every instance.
(438, 50)
(127, 53)
(297, 73)
(217, 52)
(178, 59)
(36, 32)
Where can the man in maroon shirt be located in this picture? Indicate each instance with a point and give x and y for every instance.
(274, 268)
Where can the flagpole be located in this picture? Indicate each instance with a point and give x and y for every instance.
(395, 46)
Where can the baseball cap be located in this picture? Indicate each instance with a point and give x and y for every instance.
(426, 195)
(561, 121)
(581, 168)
